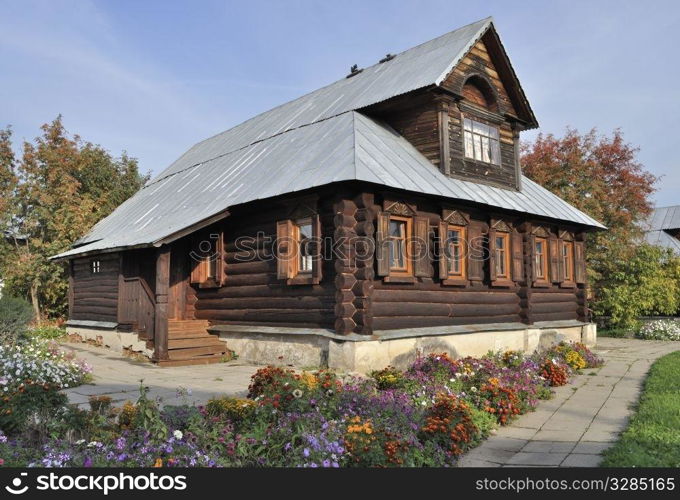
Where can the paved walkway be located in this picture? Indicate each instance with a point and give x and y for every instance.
(118, 378)
(583, 419)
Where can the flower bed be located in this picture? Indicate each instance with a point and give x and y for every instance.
(427, 415)
(31, 375)
(663, 329)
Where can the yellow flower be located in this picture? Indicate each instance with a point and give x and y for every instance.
(159, 462)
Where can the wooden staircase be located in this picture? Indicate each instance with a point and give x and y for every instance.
(189, 343)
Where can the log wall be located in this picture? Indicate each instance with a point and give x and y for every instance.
(251, 293)
(95, 295)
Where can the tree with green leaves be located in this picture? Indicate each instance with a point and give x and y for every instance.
(59, 188)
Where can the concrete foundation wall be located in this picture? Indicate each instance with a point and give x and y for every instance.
(365, 355)
(112, 339)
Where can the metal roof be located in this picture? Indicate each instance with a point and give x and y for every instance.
(350, 146)
(419, 67)
(664, 218)
(663, 239)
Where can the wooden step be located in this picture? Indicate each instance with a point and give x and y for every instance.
(187, 334)
(193, 352)
(180, 322)
(206, 340)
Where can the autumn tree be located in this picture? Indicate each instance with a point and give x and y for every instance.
(62, 186)
(601, 176)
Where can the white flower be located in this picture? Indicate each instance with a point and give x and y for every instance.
(423, 403)
(473, 389)
(92, 444)
(80, 441)
(297, 393)
(178, 434)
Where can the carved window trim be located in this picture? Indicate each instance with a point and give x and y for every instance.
(499, 230)
(453, 220)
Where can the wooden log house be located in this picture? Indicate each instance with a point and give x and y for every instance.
(378, 216)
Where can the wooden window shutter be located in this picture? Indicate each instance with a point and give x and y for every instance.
(561, 272)
(198, 263)
(285, 264)
(317, 263)
(382, 251)
(579, 262)
(421, 247)
(554, 260)
(532, 253)
(517, 242)
(443, 257)
(492, 254)
(476, 253)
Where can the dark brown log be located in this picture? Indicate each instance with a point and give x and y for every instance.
(445, 296)
(555, 307)
(255, 267)
(266, 315)
(554, 316)
(302, 302)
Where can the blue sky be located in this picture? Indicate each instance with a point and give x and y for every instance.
(155, 77)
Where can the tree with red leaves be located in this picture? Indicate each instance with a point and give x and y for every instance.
(601, 176)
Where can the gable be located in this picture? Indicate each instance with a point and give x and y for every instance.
(478, 61)
(488, 59)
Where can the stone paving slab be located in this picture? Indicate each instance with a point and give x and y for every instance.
(119, 378)
(583, 419)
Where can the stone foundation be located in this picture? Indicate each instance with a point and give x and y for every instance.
(314, 348)
(107, 335)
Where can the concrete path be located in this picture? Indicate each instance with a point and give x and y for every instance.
(584, 419)
(118, 378)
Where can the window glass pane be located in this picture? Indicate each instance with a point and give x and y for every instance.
(493, 132)
(478, 147)
(480, 128)
(486, 153)
(467, 124)
(306, 246)
(396, 228)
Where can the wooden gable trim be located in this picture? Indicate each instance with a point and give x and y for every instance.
(506, 74)
(455, 217)
(398, 207)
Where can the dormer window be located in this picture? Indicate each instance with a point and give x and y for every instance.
(481, 142)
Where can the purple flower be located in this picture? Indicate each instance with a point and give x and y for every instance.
(305, 452)
(326, 463)
(87, 462)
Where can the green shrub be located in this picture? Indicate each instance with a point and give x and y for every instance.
(15, 315)
(646, 283)
(49, 332)
(29, 407)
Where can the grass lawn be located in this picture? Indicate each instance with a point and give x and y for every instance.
(653, 436)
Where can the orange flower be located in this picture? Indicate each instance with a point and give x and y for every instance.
(159, 462)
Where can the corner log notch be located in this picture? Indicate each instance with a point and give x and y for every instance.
(344, 236)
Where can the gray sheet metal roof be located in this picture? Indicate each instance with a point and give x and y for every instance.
(350, 146)
(663, 239)
(664, 218)
(419, 67)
